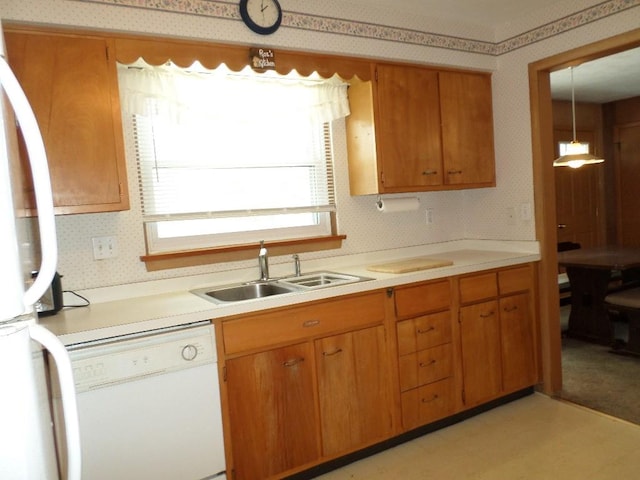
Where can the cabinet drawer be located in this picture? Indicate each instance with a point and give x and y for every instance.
(425, 366)
(286, 325)
(478, 287)
(428, 403)
(424, 332)
(423, 298)
(515, 279)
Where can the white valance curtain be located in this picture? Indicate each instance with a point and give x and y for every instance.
(217, 143)
(172, 91)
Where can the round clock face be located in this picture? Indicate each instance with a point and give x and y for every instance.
(261, 16)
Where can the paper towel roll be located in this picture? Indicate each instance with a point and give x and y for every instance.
(404, 204)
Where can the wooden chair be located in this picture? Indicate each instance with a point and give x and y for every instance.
(625, 304)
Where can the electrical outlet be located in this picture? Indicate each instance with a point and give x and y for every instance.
(429, 216)
(104, 247)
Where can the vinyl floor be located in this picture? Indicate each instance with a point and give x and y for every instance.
(535, 438)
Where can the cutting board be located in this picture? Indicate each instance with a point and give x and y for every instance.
(410, 265)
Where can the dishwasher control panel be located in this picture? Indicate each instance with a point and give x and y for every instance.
(126, 359)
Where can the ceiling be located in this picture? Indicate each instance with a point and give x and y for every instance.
(599, 81)
(603, 80)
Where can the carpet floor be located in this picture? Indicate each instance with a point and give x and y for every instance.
(594, 377)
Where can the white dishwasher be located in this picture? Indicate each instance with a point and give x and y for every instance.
(149, 406)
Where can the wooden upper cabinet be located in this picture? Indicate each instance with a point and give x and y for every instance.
(408, 127)
(467, 129)
(418, 129)
(72, 87)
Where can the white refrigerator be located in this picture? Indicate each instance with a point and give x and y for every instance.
(28, 450)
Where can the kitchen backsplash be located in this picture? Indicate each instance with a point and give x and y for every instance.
(366, 229)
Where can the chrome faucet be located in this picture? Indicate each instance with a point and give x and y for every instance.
(263, 262)
(296, 265)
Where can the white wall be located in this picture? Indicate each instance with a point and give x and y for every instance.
(464, 214)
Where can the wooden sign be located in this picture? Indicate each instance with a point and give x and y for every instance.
(262, 58)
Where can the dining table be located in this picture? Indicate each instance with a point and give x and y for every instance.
(591, 272)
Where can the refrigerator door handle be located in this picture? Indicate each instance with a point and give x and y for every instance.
(68, 394)
(41, 182)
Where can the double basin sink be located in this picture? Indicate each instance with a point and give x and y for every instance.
(267, 288)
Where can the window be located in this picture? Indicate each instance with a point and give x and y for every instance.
(230, 158)
(572, 148)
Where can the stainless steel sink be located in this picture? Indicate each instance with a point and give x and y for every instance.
(322, 279)
(245, 291)
(260, 289)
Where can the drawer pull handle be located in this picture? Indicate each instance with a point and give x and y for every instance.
(487, 315)
(430, 329)
(293, 362)
(311, 323)
(330, 354)
(454, 172)
(427, 364)
(432, 399)
(512, 308)
(430, 172)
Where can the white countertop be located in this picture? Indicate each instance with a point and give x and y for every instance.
(135, 308)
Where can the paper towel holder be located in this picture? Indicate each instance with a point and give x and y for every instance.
(404, 204)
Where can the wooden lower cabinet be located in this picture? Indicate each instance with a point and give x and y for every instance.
(426, 373)
(321, 395)
(313, 382)
(353, 387)
(497, 340)
(518, 345)
(481, 357)
(272, 407)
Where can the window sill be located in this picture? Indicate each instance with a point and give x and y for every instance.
(192, 258)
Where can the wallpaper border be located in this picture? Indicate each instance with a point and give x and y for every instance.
(338, 26)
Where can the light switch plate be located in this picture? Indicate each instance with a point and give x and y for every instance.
(104, 247)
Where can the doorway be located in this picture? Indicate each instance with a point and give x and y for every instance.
(545, 192)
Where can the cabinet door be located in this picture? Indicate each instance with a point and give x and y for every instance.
(354, 390)
(481, 356)
(467, 128)
(518, 357)
(272, 411)
(72, 87)
(408, 131)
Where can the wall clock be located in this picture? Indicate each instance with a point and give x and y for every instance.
(261, 16)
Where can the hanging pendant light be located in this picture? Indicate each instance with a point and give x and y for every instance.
(576, 154)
